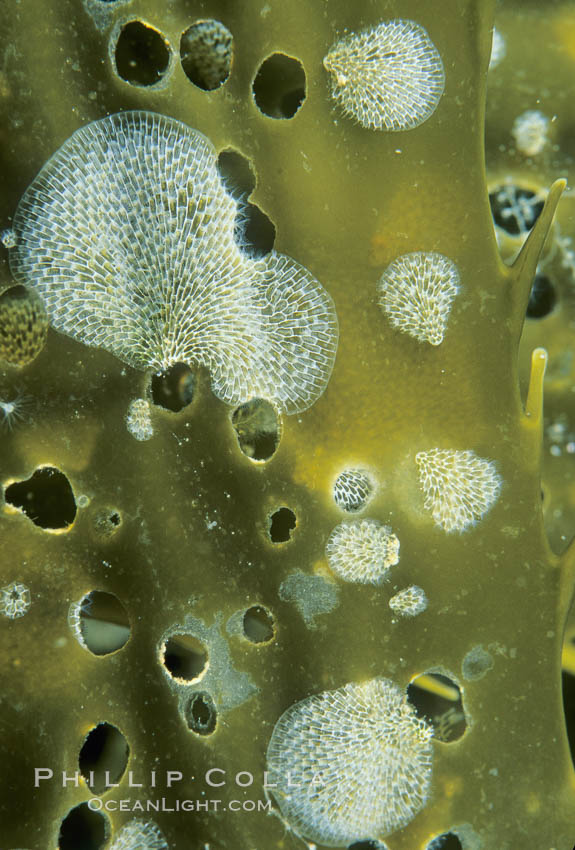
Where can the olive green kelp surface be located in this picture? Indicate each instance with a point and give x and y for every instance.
(257, 593)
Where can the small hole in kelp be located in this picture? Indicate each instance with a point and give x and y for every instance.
(46, 498)
(103, 757)
(445, 841)
(142, 54)
(282, 523)
(438, 699)
(254, 232)
(257, 428)
(279, 86)
(100, 622)
(542, 299)
(185, 657)
(173, 389)
(236, 172)
(201, 714)
(107, 522)
(258, 625)
(83, 829)
(514, 209)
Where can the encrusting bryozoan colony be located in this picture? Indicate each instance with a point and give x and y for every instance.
(416, 291)
(352, 490)
(143, 262)
(530, 131)
(139, 835)
(139, 419)
(14, 600)
(409, 602)
(23, 326)
(388, 77)
(350, 763)
(362, 551)
(459, 487)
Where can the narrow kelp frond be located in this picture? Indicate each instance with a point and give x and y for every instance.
(534, 402)
(525, 266)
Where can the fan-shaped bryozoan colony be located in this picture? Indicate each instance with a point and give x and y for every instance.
(352, 490)
(362, 551)
(142, 262)
(388, 77)
(416, 291)
(459, 486)
(409, 602)
(139, 835)
(350, 763)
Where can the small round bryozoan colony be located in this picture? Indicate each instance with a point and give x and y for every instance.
(139, 835)
(459, 487)
(530, 131)
(409, 602)
(362, 552)
(388, 77)
(352, 490)
(416, 292)
(139, 420)
(15, 600)
(350, 763)
(144, 263)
